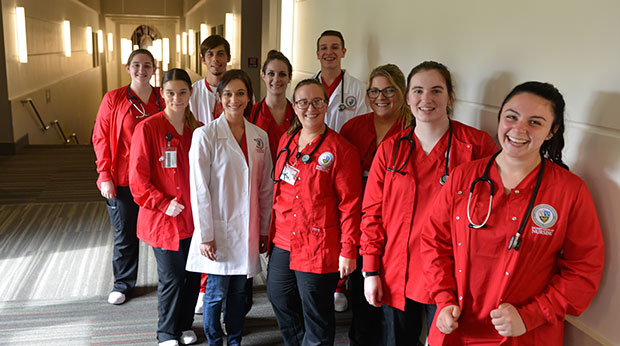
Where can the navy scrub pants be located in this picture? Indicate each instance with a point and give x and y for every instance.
(302, 302)
(177, 291)
(123, 213)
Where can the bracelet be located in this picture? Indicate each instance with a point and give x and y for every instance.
(367, 274)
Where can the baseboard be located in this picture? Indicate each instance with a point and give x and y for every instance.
(577, 334)
(14, 148)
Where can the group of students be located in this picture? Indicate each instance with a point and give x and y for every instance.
(425, 215)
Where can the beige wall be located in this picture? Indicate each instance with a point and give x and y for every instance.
(71, 81)
(491, 46)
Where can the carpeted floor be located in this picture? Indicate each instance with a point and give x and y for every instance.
(55, 262)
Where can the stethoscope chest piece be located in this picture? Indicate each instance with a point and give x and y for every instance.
(342, 107)
(305, 158)
(443, 179)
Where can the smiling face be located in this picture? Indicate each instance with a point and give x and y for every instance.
(215, 60)
(176, 94)
(234, 99)
(330, 52)
(276, 77)
(525, 122)
(313, 117)
(140, 69)
(428, 96)
(384, 106)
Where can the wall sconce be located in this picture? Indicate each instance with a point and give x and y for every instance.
(192, 40)
(203, 32)
(231, 36)
(100, 40)
(287, 28)
(110, 42)
(184, 42)
(66, 37)
(178, 37)
(166, 53)
(20, 26)
(89, 40)
(125, 49)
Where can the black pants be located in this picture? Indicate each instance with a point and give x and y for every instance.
(403, 327)
(302, 302)
(366, 320)
(177, 291)
(123, 213)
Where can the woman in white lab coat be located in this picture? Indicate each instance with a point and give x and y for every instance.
(231, 193)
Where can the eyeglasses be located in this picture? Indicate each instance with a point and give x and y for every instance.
(388, 92)
(317, 103)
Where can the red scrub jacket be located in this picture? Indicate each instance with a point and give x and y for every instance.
(153, 186)
(393, 217)
(327, 209)
(555, 272)
(114, 107)
(261, 116)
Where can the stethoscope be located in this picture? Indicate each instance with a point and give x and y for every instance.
(141, 109)
(341, 106)
(515, 241)
(409, 138)
(260, 105)
(306, 158)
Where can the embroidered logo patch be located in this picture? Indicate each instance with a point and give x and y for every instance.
(326, 159)
(544, 215)
(260, 146)
(350, 101)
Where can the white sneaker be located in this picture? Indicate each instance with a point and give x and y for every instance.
(116, 298)
(340, 302)
(188, 337)
(198, 308)
(169, 343)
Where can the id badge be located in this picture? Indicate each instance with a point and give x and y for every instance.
(170, 157)
(289, 174)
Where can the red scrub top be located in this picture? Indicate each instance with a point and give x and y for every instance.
(396, 206)
(261, 116)
(322, 221)
(153, 186)
(555, 272)
(360, 131)
(114, 126)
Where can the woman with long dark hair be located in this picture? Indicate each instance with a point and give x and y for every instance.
(159, 182)
(518, 244)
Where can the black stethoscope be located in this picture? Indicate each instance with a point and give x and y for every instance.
(409, 138)
(341, 106)
(306, 158)
(515, 241)
(260, 105)
(141, 109)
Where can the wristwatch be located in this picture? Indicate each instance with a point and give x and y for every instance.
(367, 274)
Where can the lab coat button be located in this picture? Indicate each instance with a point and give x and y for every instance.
(293, 233)
(297, 197)
(514, 218)
(517, 191)
(294, 215)
(460, 297)
(459, 244)
(460, 192)
(468, 146)
(507, 273)
(460, 270)
(458, 217)
(178, 188)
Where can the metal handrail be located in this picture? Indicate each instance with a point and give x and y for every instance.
(43, 126)
(62, 133)
(75, 138)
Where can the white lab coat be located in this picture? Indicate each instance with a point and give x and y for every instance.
(231, 200)
(354, 98)
(202, 102)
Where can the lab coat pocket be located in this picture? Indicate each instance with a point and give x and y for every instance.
(114, 211)
(316, 243)
(220, 234)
